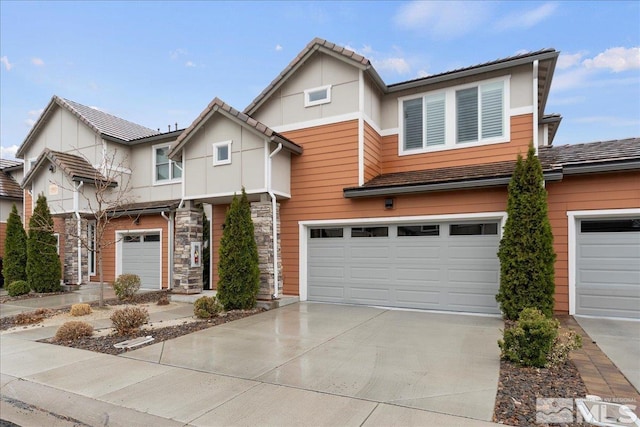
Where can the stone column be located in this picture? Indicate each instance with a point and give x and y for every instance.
(261, 214)
(188, 228)
(70, 249)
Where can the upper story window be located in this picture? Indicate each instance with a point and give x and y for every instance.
(165, 169)
(456, 117)
(222, 153)
(317, 96)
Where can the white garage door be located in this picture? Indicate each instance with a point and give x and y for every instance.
(141, 256)
(608, 268)
(441, 266)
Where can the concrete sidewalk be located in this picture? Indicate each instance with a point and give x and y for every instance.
(47, 382)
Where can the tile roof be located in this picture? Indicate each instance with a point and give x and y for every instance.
(146, 207)
(218, 104)
(7, 164)
(75, 167)
(553, 160)
(9, 188)
(107, 124)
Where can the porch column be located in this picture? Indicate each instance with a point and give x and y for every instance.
(261, 214)
(187, 253)
(73, 260)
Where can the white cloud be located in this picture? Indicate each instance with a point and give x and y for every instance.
(616, 59)
(278, 48)
(35, 113)
(190, 64)
(38, 62)
(423, 73)
(30, 122)
(5, 61)
(575, 77)
(568, 60)
(9, 152)
(177, 53)
(446, 20)
(396, 65)
(527, 19)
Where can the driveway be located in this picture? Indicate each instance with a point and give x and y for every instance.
(619, 339)
(444, 363)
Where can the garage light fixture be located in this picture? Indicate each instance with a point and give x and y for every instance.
(388, 203)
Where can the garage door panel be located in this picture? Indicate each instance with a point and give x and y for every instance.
(141, 255)
(412, 271)
(327, 293)
(607, 270)
(327, 253)
(324, 273)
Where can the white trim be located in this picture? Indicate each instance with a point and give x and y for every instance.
(572, 252)
(535, 106)
(450, 115)
(231, 193)
(390, 131)
(520, 111)
(154, 176)
(119, 237)
(326, 100)
(317, 122)
(361, 128)
(304, 225)
(545, 135)
(216, 145)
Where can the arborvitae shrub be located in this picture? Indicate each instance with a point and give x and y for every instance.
(126, 286)
(526, 250)
(71, 331)
(17, 288)
(238, 270)
(206, 307)
(129, 319)
(15, 249)
(43, 263)
(80, 309)
(530, 341)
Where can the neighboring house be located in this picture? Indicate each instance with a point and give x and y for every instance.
(376, 194)
(10, 194)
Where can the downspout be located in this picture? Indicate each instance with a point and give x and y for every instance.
(535, 106)
(76, 211)
(274, 221)
(169, 248)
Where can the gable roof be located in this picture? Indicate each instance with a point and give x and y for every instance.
(547, 60)
(9, 188)
(104, 124)
(75, 167)
(217, 105)
(603, 156)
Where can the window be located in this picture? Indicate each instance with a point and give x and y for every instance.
(131, 239)
(418, 230)
(57, 236)
(165, 169)
(490, 228)
(370, 232)
(610, 226)
(455, 117)
(152, 238)
(317, 96)
(222, 153)
(326, 233)
(91, 240)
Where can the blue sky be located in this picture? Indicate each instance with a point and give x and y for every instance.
(158, 63)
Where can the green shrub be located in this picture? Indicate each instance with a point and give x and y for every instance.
(530, 341)
(73, 330)
(126, 286)
(206, 307)
(19, 287)
(238, 270)
(43, 262)
(526, 250)
(15, 249)
(564, 343)
(80, 310)
(129, 319)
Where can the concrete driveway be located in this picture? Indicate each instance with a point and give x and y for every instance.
(619, 339)
(443, 363)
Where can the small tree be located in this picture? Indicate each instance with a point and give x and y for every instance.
(43, 263)
(526, 250)
(238, 269)
(15, 249)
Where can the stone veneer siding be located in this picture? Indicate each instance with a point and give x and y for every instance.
(188, 228)
(70, 249)
(261, 215)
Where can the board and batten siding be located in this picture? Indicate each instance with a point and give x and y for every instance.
(587, 192)
(521, 137)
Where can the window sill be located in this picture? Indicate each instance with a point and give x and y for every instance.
(167, 182)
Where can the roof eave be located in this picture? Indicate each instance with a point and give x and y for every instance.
(614, 166)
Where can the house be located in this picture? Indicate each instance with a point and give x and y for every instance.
(10, 194)
(362, 192)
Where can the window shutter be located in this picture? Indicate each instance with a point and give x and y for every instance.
(492, 110)
(435, 121)
(412, 110)
(467, 114)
